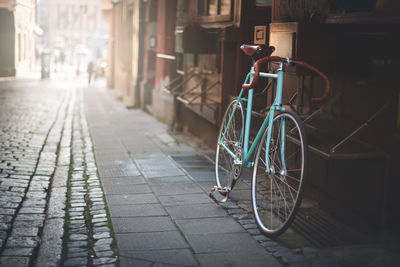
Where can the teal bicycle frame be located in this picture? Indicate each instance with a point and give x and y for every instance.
(268, 121)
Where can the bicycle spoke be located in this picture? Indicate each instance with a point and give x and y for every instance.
(280, 191)
(290, 187)
(293, 199)
(290, 156)
(293, 178)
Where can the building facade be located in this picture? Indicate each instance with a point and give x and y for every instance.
(126, 25)
(17, 44)
(181, 61)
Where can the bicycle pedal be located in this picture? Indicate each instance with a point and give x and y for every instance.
(222, 190)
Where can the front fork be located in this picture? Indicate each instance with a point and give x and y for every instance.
(269, 168)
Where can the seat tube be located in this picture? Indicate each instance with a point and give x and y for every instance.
(276, 106)
(268, 141)
(248, 121)
(279, 87)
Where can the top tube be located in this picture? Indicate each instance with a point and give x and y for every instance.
(268, 75)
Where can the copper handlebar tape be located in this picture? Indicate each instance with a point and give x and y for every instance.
(257, 70)
(301, 63)
(323, 76)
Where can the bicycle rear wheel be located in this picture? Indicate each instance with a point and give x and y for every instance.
(277, 192)
(231, 135)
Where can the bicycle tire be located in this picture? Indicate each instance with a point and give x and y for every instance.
(226, 171)
(276, 196)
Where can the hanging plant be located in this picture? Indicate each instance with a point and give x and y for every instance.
(304, 11)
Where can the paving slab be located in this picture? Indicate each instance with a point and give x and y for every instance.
(151, 241)
(128, 188)
(169, 180)
(124, 180)
(138, 210)
(209, 226)
(140, 150)
(143, 224)
(202, 176)
(155, 163)
(162, 173)
(176, 189)
(130, 261)
(237, 258)
(195, 211)
(185, 199)
(125, 161)
(130, 199)
(181, 257)
(106, 159)
(118, 171)
(223, 242)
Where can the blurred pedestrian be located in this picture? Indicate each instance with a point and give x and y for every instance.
(56, 60)
(90, 70)
(62, 60)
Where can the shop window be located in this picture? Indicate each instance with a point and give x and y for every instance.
(198, 87)
(26, 47)
(215, 10)
(208, 62)
(398, 114)
(341, 6)
(263, 3)
(225, 7)
(329, 11)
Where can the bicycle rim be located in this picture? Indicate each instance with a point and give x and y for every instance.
(226, 171)
(277, 193)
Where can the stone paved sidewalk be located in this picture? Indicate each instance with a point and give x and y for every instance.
(161, 215)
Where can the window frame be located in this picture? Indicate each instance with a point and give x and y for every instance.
(206, 18)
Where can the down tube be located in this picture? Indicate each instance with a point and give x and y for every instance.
(267, 121)
(248, 121)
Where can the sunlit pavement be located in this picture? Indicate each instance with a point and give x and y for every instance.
(74, 162)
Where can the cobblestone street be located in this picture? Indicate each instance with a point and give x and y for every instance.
(52, 206)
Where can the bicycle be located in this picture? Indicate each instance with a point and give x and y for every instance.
(279, 175)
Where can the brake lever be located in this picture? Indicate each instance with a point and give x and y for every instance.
(269, 51)
(290, 61)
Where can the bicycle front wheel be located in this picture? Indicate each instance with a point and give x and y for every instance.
(277, 190)
(231, 136)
